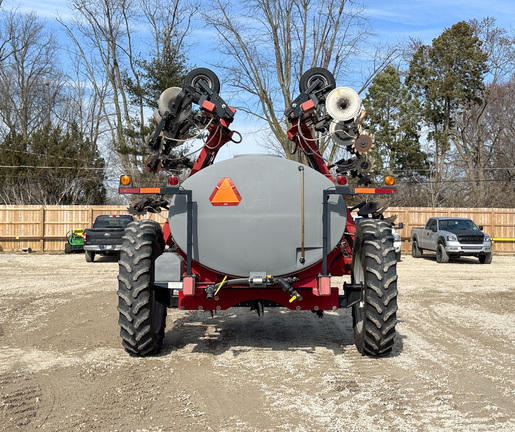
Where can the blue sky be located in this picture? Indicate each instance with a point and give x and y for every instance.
(426, 19)
(392, 21)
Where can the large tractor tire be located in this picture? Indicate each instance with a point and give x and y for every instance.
(374, 265)
(142, 318)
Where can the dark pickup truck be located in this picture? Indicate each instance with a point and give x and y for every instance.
(105, 238)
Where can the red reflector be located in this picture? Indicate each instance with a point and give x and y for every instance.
(341, 180)
(209, 106)
(385, 190)
(128, 190)
(173, 180)
(308, 105)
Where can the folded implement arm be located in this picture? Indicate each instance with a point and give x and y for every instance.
(176, 119)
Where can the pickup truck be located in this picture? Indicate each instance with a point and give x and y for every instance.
(451, 237)
(105, 237)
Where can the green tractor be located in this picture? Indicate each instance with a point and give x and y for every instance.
(75, 241)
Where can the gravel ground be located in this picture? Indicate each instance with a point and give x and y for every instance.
(62, 367)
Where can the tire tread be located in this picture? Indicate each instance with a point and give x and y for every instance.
(374, 239)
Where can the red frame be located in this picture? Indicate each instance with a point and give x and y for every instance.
(316, 291)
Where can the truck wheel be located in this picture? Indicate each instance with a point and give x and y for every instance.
(441, 254)
(374, 265)
(90, 256)
(142, 319)
(415, 251)
(67, 248)
(485, 259)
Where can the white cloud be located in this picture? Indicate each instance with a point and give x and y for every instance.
(44, 9)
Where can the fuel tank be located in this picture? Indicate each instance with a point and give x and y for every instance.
(247, 216)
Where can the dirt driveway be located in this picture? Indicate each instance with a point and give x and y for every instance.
(62, 367)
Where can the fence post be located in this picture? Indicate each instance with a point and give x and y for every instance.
(492, 228)
(42, 228)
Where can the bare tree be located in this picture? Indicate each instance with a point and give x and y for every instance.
(268, 44)
(84, 106)
(101, 34)
(108, 39)
(481, 130)
(30, 79)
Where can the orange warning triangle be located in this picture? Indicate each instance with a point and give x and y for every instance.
(225, 193)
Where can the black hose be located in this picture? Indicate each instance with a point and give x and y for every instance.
(233, 282)
(283, 283)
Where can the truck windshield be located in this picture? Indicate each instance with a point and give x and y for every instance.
(458, 225)
(112, 221)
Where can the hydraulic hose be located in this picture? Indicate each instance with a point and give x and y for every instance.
(285, 285)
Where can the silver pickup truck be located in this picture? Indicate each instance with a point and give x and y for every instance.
(451, 237)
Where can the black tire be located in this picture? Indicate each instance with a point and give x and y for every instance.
(485, 259)
(203, 74)
(310, 76)
(142, 319)
(90, 256)
(441, 255)
(415, 251)
(67, 248)
(374, 265)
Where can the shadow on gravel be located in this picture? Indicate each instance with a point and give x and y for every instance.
(461, 260)
(105, 258)
(278, 330)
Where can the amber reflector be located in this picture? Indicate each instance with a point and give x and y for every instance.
(389, 180)
(125, 180)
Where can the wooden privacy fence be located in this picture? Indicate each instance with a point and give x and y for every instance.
(497, 222)
(44, 228)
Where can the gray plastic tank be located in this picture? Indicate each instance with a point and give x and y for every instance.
(254, 225)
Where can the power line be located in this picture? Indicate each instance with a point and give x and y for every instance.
(38, 154)
(452, 181)
(54, 167)
(429, 170)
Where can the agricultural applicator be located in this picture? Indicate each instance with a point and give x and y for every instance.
(258, 230)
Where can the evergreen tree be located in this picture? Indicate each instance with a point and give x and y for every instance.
(446, 77)
(393, 118)
(163, 71)
(51, 167)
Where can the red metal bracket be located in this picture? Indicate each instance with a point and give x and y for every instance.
(323, 287)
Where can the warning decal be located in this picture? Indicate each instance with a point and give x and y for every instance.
(225, 193)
